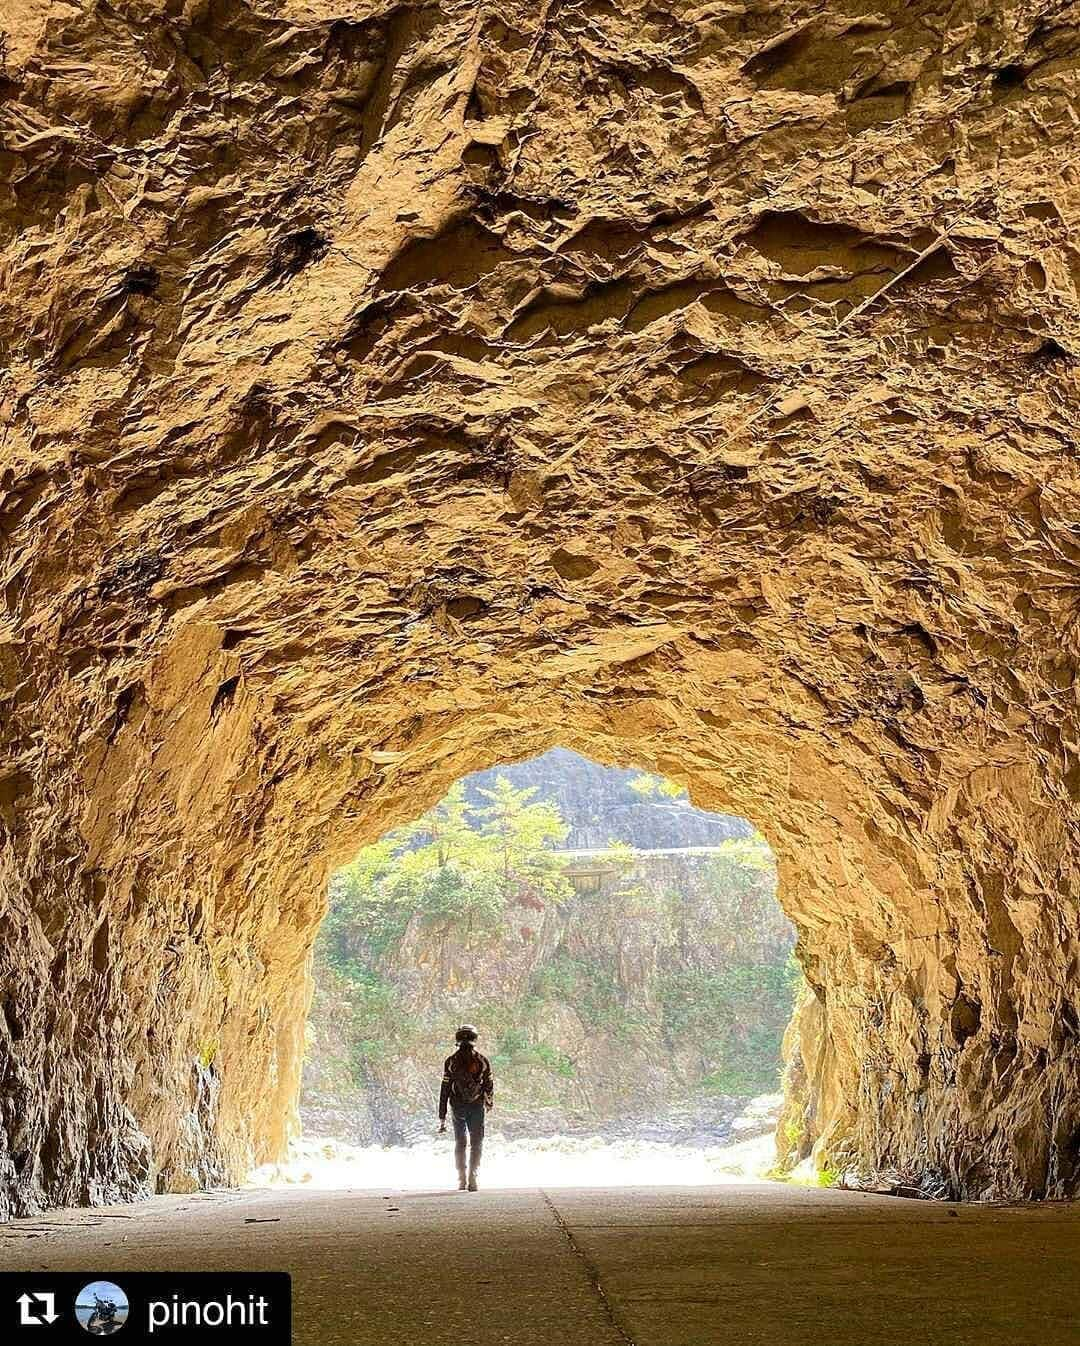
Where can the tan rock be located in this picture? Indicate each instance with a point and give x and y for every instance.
(387, 392)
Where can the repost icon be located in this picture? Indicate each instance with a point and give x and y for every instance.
(37, 1310)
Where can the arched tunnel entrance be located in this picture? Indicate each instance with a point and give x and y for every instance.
(625, 960)
(164, 1050)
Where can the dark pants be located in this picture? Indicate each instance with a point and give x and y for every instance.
(468, 1120)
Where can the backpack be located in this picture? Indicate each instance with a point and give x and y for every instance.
(466, 1085)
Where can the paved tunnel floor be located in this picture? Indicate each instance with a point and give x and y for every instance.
(651, 1266)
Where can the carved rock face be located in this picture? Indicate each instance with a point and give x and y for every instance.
(389, 391)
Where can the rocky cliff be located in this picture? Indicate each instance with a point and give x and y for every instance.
(664, 981)
(601, 804)
(389, 390)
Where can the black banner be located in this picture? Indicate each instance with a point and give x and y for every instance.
(42, 1308)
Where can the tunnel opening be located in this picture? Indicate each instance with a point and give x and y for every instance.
(622, 953)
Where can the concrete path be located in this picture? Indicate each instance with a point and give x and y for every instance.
(738, 1266)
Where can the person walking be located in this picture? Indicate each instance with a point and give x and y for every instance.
(469, 1090)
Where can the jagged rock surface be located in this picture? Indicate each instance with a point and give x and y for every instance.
(389, 390)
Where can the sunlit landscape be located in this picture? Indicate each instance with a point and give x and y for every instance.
(622, 953)
(552, 1161)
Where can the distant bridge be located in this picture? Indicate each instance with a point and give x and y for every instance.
(632, 852)
(587, 869)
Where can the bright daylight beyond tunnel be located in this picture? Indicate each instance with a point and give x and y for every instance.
(622, 954)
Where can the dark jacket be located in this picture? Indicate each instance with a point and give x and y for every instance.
(469, 1066)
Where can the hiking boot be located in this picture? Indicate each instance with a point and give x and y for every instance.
(461, 1183)
(472, 1183)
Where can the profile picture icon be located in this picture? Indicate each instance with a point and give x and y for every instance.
(101, 1307)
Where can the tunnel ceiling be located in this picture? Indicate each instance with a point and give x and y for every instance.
(389, 390)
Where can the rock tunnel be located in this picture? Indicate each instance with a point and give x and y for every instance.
(391, 390)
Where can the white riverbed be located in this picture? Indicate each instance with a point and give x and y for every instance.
(550, 1161)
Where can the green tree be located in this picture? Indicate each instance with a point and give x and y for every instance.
(520, 835)
(458, 864)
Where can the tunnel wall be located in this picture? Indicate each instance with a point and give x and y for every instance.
(952, 1071)
(931, 1055)
(390, 391)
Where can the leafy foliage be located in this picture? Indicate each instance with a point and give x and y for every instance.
(455, 865)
